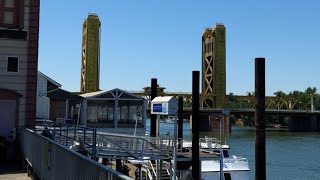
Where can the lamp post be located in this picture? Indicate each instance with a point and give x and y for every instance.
(312, 103)
(135, 127)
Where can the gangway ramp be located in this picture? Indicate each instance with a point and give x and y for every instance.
(131, 147)
(111, 145)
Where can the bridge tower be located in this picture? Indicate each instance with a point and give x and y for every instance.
(214, 67)
(90, 55)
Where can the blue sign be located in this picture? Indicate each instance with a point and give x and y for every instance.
(157, 108)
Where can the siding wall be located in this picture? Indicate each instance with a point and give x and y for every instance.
(16, 81)
(41, 86)
(43, 102)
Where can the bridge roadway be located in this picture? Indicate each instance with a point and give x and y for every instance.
(248, 111)
(238, 102)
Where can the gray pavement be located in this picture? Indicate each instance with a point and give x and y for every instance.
(12, 172)
(15, 176)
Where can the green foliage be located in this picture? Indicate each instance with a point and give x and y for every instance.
(304, 98)
(280, 94)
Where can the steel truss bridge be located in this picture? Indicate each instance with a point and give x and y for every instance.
(237, 102)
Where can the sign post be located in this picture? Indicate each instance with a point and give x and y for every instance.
(167, 105)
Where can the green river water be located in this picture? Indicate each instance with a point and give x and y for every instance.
(289, 155)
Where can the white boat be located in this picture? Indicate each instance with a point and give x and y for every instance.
(233, 167)
(170, 119)
(206, 143)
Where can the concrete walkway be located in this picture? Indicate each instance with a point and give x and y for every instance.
(11, 172)
(15, 176)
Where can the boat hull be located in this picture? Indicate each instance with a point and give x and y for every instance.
(239, 175)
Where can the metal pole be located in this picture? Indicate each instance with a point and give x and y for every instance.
(140, 171)
(94, 142)
(180, 122)
(195, 125)
(160, 172)
(67, 134)
(175, 149)
(158, 125)
(171, 172)
(153, 123)
(260, 144)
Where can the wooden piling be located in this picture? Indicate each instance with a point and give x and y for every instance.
(180, 121)
(153, 123)
(260, 143)
(195, 126)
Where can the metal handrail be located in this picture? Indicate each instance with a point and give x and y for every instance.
(153, 170)
(120, 147)
(48, 158)
(235, 160)
(136, 147)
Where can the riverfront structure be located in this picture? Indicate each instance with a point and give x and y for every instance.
(90, 55)
(19, 32)
(214, 67)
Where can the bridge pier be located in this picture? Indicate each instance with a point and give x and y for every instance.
(212, 123)
(304, 123)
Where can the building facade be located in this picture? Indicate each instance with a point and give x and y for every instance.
(90, 57)
(116, 111)
(44, 85)
(19, 32)
(214, 67)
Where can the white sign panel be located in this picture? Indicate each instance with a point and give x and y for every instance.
(166, 105)
(159, 108)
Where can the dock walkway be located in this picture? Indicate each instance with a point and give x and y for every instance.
(11, 172)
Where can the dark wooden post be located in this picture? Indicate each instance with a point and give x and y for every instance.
(180, 122)
(260, 146)
(153, 123)
(195, 125)
(118, 165)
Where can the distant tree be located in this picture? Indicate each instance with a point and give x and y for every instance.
(232, 103)
(280, 94)
(250, 94)
(296, 94)
(310, 90)
(231, 97)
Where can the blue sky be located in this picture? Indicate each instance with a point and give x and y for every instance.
(146, 39)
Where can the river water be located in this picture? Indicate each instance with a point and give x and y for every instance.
(289, 155)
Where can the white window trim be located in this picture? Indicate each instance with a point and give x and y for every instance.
(13, 56)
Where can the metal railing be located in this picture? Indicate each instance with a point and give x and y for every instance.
(66, 135)
(51, 161)
(235, 160)
(127, 146)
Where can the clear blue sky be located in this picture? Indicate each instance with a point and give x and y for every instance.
(146, 39)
